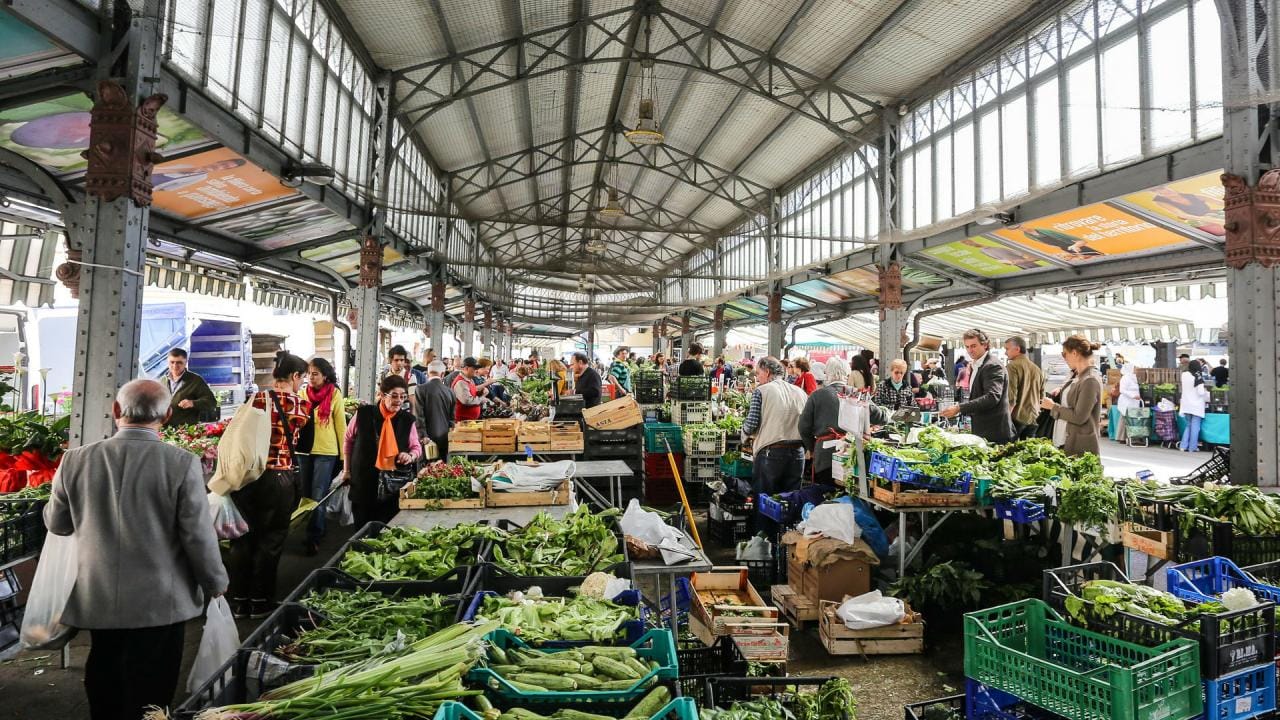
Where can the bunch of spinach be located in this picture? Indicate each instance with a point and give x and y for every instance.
(583, 542)
(408, 554)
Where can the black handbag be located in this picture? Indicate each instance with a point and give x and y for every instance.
(391, 481)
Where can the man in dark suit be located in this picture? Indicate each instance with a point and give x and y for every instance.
(192, 401)
(434, 408)
(586, 380)
(988, 404)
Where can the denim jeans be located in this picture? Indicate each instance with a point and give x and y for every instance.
(776, 470)
(1191, 435)
(317, 474)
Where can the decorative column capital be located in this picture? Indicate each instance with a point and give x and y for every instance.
(370, 262)
(891, 287)
(1252, 220)
(122, 144)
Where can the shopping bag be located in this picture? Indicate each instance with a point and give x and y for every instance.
(228, 523)
(854, 416)
(871, 610)
(340, 505)
(42, 627)
(217, 644)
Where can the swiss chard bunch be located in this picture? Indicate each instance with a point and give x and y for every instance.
(407, 554)
(578, 545)
(946, 586)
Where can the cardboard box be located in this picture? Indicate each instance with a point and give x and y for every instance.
(795, 574)
(834, 581)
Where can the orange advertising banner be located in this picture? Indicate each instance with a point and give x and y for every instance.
(1091, 232)
(213, 182)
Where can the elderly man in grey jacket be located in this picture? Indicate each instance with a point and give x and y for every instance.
(148, 556)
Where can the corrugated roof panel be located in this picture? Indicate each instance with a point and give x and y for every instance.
(751, 120)
(472, 23)
(831, 30)
(500, 114)
(398, 33)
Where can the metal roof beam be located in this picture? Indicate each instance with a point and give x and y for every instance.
(844, 113)
(67, 23)
(651, 218)
(477, 180)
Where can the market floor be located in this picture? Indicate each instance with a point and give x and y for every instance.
(1120, 460)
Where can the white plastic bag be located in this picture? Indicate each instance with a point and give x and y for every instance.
(871, 610)
(757, 548)
(217, 644)
(640, 523)
(42, 628)
(340, 505)
(854, 416)
(228, 523)
(834, 520)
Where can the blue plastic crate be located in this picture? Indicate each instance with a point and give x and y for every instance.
(631, 630)
(684, 597)
(1019, 511)
(882, 466)
(1238, 696)
(772, 508)
(987, 703)
(920, 478)
(1204, 580)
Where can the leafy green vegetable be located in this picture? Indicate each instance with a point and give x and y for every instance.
(583, 542)
(951, 585)
(361, 624)
(400, 553)
(538, 620)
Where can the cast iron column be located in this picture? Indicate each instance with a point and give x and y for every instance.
(437, 317)
(367, 313)
(469, 327)
(775, 322)
(893, 316)
(717, 343)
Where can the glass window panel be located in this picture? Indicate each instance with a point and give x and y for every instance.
(1044, 50)
(942, 174)
(855, 209)
(1121, 98)
(1208, 68)
(873, 212)
(989, 156)
(1115, 14)
(964, 157)
(924, 186)
(1048, 134)
(187, 51)
(222, 48)
(277, 70)
(1082, 117)
(316, 101)
(1014, 130)
(987, 82)
(253, 60)
(962, 99)
(300, 70)
(907, 192)
(824, 219)
(1012, 69)
(1171, 89)
(1077, 30)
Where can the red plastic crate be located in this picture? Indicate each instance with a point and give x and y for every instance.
(660, 491)
(657, 467)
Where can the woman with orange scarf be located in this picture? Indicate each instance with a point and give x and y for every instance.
(381, 437)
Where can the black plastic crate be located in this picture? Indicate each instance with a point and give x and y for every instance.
(764, 574)
(1154, 514)
(493, 578)
(649, 389)
(691, 387)
(23, 531)
(1216, 469)
(602, 444)
(569, 406)
(1229, 641)
(719, 659)
(953, 704)
(457, 581)
(227, 686)
(1197, 537)
(723, 692)
(729, 530)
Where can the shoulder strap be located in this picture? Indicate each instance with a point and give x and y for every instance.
(284, 424)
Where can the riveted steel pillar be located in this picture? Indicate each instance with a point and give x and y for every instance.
(775, 322)
(367, 314)
(108, 232)
(893, 316)
(1252, 201)
(469, 328)
(721, 333)
(437, 317)
(686, 336)
(486, 335)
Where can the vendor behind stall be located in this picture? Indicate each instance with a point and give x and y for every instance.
(586, 380)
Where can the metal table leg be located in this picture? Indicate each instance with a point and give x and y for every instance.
(902, 544)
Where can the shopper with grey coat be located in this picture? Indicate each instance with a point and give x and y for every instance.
(148, 557)
(820, 419)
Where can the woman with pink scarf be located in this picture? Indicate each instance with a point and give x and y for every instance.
(320, 443)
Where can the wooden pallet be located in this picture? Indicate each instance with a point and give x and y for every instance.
(905, 638)
(796, 608)
(906, 496)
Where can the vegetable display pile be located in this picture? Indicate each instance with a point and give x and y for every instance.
(447, 480)
(648, 706)
(730, 423)
(1251, 511)
(411, 684)
(409, 554)
(361, 624)
(9, 511)
(581, 543)
(1101, 599)
(592, 667)
(834, 700)
(538, 619)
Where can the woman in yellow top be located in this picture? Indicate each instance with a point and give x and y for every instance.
(320, 443)
(561, 376)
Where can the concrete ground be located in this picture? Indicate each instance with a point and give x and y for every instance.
(34, 687)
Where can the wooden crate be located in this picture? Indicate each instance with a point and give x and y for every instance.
(535, 433)
(905, 638)
(901, 496)
(499, 446)
(465, 447)
(617, 414)
(795, 607)
(559, 496)
(466, 432)
(566, 437)
(472, 503)
(1156, 543)
(762, 642)
(501, 426)
(724, 600)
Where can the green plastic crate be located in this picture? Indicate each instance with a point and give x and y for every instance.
(739, 468)
(1028, 650)
(655, 433)
(681, 708)
(657, 645)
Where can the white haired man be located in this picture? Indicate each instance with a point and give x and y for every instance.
(773, 420)
(148, 557)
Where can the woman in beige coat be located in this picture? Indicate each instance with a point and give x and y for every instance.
(1079, 405)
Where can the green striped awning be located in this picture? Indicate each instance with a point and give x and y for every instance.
(26, 264)
(173, 274)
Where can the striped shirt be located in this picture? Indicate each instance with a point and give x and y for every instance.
(298, 409)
